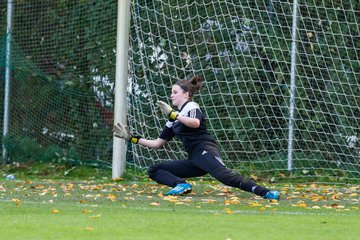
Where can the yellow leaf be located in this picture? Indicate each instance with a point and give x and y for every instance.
(229, 211)
(154, 204)
(112, 197)
(256, 178)
(89, 228)
(16, 201)
(95, 217)
(140, 191)
(171, 198)
(85, 211)
(301, 204)
(235, 201)
(208, 192)
(337, 206)
(254, 204)
(55, 211)
(117, 179)
(210, 201)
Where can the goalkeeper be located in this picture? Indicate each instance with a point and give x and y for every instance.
(188, 124)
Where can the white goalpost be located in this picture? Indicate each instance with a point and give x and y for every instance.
(120, 106)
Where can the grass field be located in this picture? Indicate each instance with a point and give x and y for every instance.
(105, 209)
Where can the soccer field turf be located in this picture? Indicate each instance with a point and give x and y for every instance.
(127, 210)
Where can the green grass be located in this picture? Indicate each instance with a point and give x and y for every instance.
(34, 221)
(103, 209)
(55, 201)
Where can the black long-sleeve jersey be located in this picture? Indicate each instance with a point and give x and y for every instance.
(190, 137)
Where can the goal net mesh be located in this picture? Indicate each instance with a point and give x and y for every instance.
(243, 51)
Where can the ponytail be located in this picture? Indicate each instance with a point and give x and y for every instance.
(191, 86)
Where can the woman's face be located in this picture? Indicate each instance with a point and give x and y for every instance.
(178, 96)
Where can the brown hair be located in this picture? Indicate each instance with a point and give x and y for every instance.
(191, 86)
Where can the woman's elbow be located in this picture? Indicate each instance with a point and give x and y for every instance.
(159, 143)
(157, 146)
(195, 124)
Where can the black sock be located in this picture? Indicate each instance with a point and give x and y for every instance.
(250, 186)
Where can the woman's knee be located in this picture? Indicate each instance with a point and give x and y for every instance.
(228, 177)
(152, 170)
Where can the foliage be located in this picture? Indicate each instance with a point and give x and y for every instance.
(56, 55)
(26, 150)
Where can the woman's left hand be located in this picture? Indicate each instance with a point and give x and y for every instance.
(167, 110)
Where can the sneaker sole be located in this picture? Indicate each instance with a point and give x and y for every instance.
(183, 193)
(278, 199)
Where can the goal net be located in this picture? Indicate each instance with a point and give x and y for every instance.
(243, 50)
(62, 68)
(274, 101)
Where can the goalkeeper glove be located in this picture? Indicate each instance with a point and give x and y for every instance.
(167, 111)
(122, 131)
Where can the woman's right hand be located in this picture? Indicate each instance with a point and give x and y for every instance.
(122, 131)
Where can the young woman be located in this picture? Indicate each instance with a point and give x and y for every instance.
(188, 124)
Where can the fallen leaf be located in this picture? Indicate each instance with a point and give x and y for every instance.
(274, 201)
(89, 228)
(154, 204)
(95, 217)
(229, 211)
(255, 178)
(16, 201)
(210, 201)
(112, 197)
(337, 206)
(254, 204)
(301, 204)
